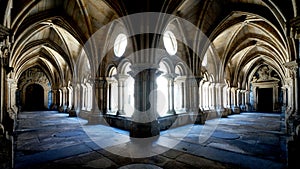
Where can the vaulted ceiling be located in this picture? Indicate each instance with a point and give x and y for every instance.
(243, 33)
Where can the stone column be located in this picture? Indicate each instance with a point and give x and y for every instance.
(212, 98)
(284, 98)
(95, 116)
(144, 119)
(2, 82)
(234, 95)
(275, 98)
(121, 80)
(293, 82)
(247, 100)
(170, 78)
(102, 96)
(11, 100)
(219, 99)
(4, 56)
(229, 99)
(205, 96)
(200, 115)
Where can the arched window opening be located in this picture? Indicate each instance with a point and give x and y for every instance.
(163, 91)
(128, 93)
(179, 92)
(112, 92)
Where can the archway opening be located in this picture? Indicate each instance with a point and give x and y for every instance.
(34, 98)
(265, 100)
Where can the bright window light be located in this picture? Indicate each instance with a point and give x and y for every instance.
(162, 96)
(120, 45)
(170, 42)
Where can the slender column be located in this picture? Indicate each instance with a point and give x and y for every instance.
(102, 95)
(284, 98)
(201, 95)
(220, 97)
(12, 88)
(2, 83)
(229, 98)
(170, 78)
(247, 100)
(206, 95)
(212, 96)
(234, 95)
(121, 80)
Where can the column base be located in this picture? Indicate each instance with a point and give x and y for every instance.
(92, 117)
(226, 112)
(144, 130)
(96, 119)
(236, 110)
(72, 113)
(60, 109)
(200, 117)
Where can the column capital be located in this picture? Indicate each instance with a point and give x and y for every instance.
(121, 77)
(170, 76)
(139, 67)
(294, 30)
(292, 65)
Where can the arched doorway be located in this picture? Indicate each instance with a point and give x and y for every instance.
(34, 97)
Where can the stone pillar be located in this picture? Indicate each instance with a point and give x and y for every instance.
(229, 99)
(275, 98)
(121, 80)
(2, 83)
(77, 97)
(102, 96)
(284, 98)
(235, 107)
(95, 116)
(199, 114)
(206, 95)
(11, 97)
(219, 99)
(4, 56)
(144, 119)
(293, 145)
(170, 78)
(54, 99)
(293, 83)
(212, 98)
(82, 96)
(247, 100)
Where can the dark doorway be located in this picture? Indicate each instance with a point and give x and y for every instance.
(265, 100)
(34, 97)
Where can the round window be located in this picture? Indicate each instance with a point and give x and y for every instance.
(170, 42)
(120, 45)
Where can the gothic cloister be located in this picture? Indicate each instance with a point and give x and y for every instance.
(146, 67)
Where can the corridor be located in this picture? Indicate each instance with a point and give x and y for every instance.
(48, 139)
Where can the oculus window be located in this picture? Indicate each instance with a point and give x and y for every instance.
(170, 42)
(120, 45)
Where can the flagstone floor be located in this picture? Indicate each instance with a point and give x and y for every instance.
(48, 139)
